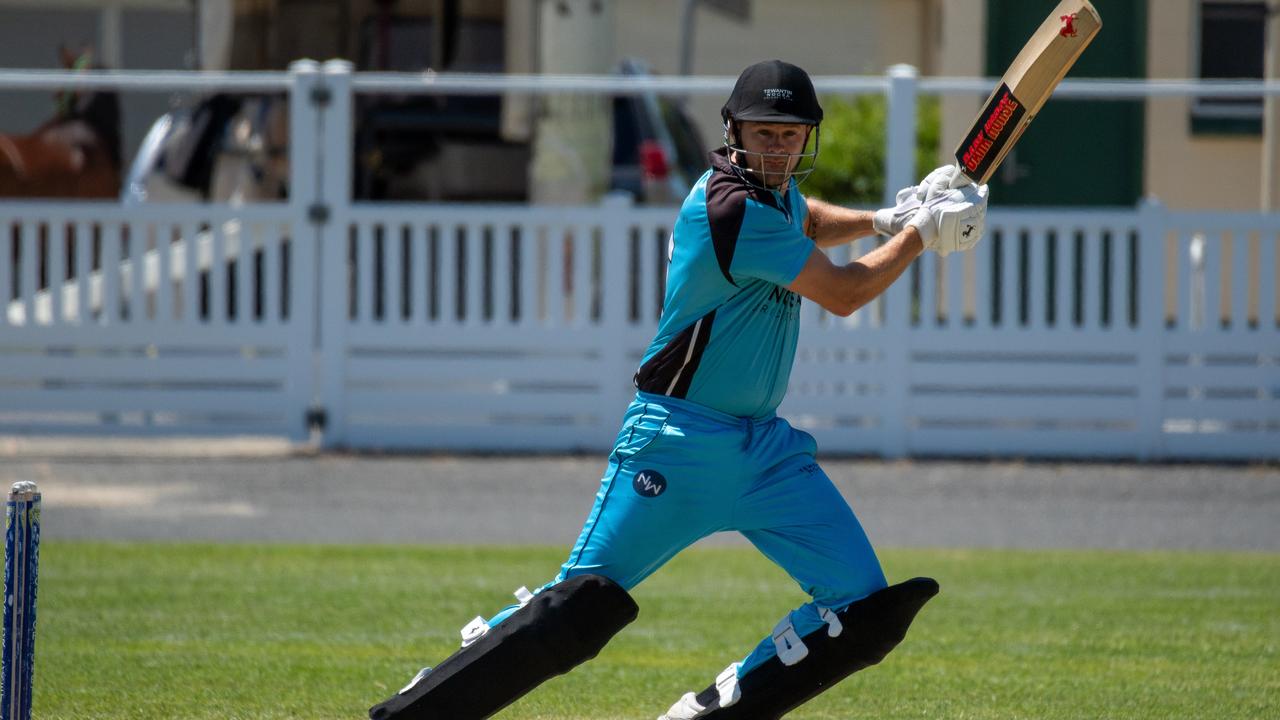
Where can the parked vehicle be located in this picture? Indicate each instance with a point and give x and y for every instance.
(431, 148)
(658, 152)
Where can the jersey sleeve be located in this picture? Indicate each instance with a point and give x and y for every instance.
(769, 247)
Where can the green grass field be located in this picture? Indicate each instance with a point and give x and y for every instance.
(249, 631)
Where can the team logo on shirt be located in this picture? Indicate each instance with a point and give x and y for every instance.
(780, 302)
(784, 297)
(649, 483)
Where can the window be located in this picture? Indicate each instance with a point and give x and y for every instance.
(1232, 46)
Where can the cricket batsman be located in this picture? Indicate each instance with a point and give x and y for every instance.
(702, 450)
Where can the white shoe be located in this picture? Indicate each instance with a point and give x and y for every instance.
(686, 708)
(422, 675)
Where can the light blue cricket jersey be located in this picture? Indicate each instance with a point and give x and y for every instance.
(727, 336)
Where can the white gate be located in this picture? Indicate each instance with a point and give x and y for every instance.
(1063, 334)
(489, 328)
(180, 319)
(1090, 333)
(193, 320)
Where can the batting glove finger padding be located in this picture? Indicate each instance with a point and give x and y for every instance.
(927, 225)
(891, 221)
(939, 182)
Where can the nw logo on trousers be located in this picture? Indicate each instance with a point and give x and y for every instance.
(649, 483)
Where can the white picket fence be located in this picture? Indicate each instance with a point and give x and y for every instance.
(1145, 334)
(125, 325)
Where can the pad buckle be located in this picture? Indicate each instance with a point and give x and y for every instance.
(791, 649)
(727, 685)
(834, 626)
(474, 630)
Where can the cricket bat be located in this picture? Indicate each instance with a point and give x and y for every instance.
(1025, 87)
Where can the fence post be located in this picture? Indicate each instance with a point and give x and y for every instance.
(303, 259)
(615, 323)
(900, 131)
(899, 172)
(896, 360)
(1151, 329)
(331, 215)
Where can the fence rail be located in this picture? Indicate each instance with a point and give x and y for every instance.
(448, 83)
(1142, 333)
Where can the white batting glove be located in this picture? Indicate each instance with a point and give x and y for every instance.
(953, 221)
(938, 182)
(891, 221)
(925, 224)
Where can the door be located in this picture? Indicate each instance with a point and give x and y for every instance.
(1076, 152)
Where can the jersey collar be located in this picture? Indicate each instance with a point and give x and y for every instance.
(775, 199)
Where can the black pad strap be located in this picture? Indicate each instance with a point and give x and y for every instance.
(873, 626)
(561, 627)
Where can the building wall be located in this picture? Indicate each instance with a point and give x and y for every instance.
(962, 49)
(1188, 171)
(1183, 170)
(825, 37)
(946, 38)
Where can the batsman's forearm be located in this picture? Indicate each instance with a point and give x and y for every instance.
(831, 225)
(873, 273)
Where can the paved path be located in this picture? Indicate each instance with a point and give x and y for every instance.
(248, 490)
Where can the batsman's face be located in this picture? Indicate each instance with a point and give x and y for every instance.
(772, 149)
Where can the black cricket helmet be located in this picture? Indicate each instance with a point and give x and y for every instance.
(772, 91)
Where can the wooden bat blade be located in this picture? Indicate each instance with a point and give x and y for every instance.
(1026, 85)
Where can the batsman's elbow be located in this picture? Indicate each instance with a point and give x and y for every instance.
(828, 285)
(844, 307)
(834, 298)
(851, 304)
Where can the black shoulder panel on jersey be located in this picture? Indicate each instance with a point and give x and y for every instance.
(670, 371)
(726, 207)
(561, 627)
(727, 195)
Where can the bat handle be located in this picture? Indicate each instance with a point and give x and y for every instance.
(961, 178)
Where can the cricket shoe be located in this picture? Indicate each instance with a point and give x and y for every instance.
(422, 675)
(686, 708)
(724, 693)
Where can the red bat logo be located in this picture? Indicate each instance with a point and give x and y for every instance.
(1069, 25)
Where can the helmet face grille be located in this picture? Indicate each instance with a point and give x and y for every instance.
(746, 162)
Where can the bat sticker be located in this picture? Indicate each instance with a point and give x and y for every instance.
(1069, 25)
(996, 125)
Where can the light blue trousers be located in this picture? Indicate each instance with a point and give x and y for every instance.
(680, 471)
